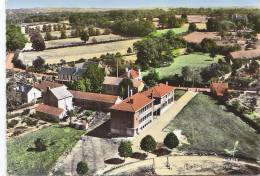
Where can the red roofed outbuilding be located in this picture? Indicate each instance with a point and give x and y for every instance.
(50, 113)
(219, 89)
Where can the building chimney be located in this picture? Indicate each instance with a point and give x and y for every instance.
(131, 92)
(139, 74)
(166, 82)
(131, 101)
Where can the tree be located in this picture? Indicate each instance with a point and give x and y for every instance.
(98, 32)
(148, 143)
(82, 168)
(212, 54)
(94, 40)
(96, 76)
(81, 85)
(14, 38)
(48, 36)
(125, 85)
(253, 67)
(152, 78)
(125, 149)
(37, 42)
(208, 44)
(71, 113)
(40, 145)
(192, 27)
(171, 141)
(186, 73)
(129, 50)
(84, 36)
(44, 28)
(38, 63)
(107, 31)
(91, 31)
(63, 34)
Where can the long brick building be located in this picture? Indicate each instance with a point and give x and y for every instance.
(133, 114)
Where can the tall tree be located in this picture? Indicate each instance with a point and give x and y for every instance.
(125, 149)
(14, 38)
(37, 42)
(125, 85)
(171, 141)
(84, 36)
(148, 143)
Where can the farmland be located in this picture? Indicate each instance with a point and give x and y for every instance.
(76, 53)
(23, 161)
(210, 127)
(194, 61)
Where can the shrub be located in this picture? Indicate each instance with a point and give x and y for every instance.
(125, 149)
(148, 143)
(171, 141)
(82, 168)
(40, 145)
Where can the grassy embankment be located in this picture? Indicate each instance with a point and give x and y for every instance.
(23, 160)
(210, 127)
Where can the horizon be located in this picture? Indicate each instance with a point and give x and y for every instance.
(129, 4)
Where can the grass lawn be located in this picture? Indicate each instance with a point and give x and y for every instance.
(194, 61)
(180, 30)
(178, 94)
(209, 126)
(23, 162)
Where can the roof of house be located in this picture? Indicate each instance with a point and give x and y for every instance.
(105, 98)
(71, 71)
(159, 90)
(43, 85)
(245, 54)
(61, 92)
(109, 80)
(49, 110)
(219, 88)
(195, 18)
(133, 103)
(197, 37)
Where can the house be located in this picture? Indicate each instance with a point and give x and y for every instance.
(45, 84)
(197, 37)
(245, 54)
(58, 97)
(111, 85)
(163, 95)
(195, 18)
(132, 115)
(50, 113)
(95, 101)
(70, 74)
(219, 89)
(29, 93)
(133, 74)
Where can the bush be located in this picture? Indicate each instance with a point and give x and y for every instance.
(12, 123)
(82, 168)
(148, 143)
(125, 149)
(40, 145)
(171, 141)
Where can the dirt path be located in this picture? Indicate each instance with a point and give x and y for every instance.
(156, 129)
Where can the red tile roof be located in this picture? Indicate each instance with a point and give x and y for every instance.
(134, 74)
(49, 110)
(94, 96)
(158, 90)
(197, 37)
(219, 88)
(133, 103)
(43, 85)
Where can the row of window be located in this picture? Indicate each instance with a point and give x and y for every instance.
(145, 117)
(145, 108)
(146, 124)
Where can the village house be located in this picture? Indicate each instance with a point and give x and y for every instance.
(94, 101)
(197, 37)
(163, 96)
(29, 93)
(111, 85)
(133, 114)
(56, 102)
(66, 74)
(219, 89)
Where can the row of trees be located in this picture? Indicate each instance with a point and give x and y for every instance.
(157, 51)
(170, 21)
(148, 144)
(14, 38)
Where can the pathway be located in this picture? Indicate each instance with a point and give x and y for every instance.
(156, 128)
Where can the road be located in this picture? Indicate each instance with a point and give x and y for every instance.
(156, 128)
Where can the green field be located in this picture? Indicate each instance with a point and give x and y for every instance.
(23, 162)
(194, 61)
(180, 30)
(210, 127)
